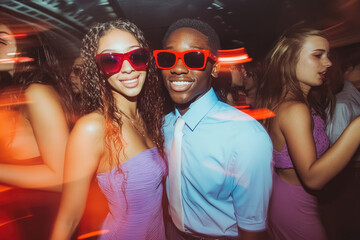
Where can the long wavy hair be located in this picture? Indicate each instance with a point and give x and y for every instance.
(97, 94)
(280, 83)
(45, 67)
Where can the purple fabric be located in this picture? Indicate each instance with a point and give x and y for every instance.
(282, 159)
(137, 214)
(293, 212)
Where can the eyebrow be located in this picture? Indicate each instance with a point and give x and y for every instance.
(4, 32)
(319, 49)
(117, 50)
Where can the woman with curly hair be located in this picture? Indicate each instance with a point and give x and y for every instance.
(119, 139)
(295, 89)
(35, 118)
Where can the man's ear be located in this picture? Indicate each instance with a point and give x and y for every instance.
(215, 70)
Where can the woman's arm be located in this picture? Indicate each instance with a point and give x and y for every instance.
(83, 154)
(46, 116)
(296, 125)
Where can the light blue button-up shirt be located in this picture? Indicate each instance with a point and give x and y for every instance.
(225, 168)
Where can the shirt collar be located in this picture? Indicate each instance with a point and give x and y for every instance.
(198, 109)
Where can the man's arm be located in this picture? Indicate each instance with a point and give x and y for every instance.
(252, 171)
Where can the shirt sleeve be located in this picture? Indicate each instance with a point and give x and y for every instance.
(341, 119)
(252, 179)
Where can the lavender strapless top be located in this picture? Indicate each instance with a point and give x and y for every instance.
(282, 159)
(137, 214)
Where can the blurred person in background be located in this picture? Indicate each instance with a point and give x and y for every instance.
(295, 75)
(351, 65)
(119, 139)
(229, 85)
(75, 75)
(347, 97)
(96, 205)
(38, 108)
(252, 78)
(340, 199)
(237, 84)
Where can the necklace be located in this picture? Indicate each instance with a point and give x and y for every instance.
(142, 132)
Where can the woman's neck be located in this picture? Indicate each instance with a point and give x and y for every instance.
(127, 105)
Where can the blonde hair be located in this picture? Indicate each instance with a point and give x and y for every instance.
(280, 81)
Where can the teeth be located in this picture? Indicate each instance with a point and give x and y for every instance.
(180, 83)
(130, 81)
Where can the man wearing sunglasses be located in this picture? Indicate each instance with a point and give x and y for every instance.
(224, 162)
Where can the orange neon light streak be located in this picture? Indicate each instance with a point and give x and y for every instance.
(8, 104)
(21, 35)
(7, 100)
(16, 59)
(233, 56)
(93, 234)
(258, 114)
(14, 220)
(4, 188)
(242, 107)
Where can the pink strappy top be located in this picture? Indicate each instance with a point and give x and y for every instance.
(282, 159)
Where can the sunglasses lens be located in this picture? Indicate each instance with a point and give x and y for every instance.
(166, 59)
(194, 59)
(110, 63)
(139, 59)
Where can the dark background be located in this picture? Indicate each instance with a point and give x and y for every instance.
(255, 24)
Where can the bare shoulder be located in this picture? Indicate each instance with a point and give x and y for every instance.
(87, 139)
(292, 111)
(91, 125)
(44, 105)
(293, 115)
(38, 91)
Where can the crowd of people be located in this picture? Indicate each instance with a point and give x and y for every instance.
(157, 131)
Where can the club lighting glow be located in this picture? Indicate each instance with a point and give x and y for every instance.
(233, 56)
(16, 60)
(93, 234)
(258, 114)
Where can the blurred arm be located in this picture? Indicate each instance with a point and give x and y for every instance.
(253, 178)
(83, 154)
(50, 128)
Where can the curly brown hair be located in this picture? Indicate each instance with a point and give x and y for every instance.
(97, 94)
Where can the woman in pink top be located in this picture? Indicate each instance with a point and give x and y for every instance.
(294, 79)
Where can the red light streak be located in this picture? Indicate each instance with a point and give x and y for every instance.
(92, 234)
(233, 56)
(4, 188)
(21, 35)
(16, 60)
(242, 107)
(16, 219)
(333, 26)
(258, 114)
